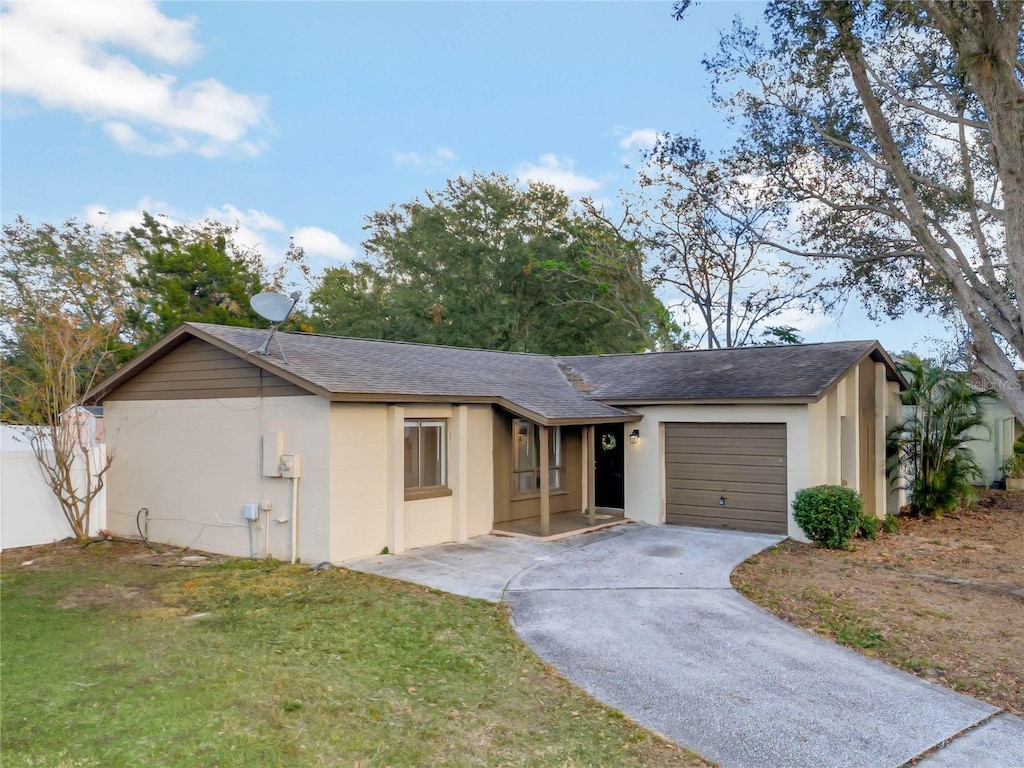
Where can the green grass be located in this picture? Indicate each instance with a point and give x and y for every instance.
(109, 663)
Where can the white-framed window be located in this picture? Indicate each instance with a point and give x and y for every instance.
(426, 451)
(526, 458)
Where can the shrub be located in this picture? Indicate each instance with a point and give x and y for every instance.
(1014, 465)
(828, 514)
(930, 446)
(867, 528)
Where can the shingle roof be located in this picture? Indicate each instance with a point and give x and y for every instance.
(368, 367)
(549, 389)
(800, 371)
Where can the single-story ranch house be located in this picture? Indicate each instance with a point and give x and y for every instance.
(331, 448)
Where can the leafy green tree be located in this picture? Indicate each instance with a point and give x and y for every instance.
(73, 271)
(63, 292)
(195, 273)
(931, 444)
(486, 263)
(895, 131)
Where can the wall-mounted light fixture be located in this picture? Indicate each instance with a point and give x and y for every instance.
(634, 437)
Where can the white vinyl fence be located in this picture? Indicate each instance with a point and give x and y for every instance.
(29, 512)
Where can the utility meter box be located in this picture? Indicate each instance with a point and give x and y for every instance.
(291, 465)
(273, 447)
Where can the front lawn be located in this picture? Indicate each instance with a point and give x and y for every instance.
(112, 656)
(943, 599)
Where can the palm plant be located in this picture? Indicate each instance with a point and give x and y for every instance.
(931, 444)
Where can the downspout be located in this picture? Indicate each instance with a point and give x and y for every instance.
(295, 519)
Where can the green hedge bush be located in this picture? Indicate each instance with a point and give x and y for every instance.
(828, 514)
(868, 526)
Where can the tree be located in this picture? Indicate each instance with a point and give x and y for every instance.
(707, 227)
(895, 131)
(931, 444)
(75, 271)
(63, 294)
(61, 359)
(193, 273)
(485, 263)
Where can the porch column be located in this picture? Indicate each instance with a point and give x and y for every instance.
(458, 473)
(396, 479)
(545, 485)
(589, 475)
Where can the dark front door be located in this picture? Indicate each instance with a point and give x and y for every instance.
(608, 470)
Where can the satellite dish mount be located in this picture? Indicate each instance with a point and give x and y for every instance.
(274, 307)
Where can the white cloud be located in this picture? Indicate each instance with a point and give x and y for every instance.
(123, 219)
(642, 138)
(251, 218)
(441, 156)
(319, 242)
(558, 172)
(61, 55)
(253, 228)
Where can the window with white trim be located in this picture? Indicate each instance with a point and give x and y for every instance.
(425, 454)
(526, 458)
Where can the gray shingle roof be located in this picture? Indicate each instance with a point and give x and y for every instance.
(368, 367)
(549, 389)
(801, 371)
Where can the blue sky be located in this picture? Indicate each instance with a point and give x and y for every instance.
(300, 118)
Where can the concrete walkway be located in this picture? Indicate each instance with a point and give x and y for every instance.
(645, 619)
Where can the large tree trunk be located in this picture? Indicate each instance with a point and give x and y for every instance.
(986, 43)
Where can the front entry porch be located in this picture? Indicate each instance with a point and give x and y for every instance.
(564, 479)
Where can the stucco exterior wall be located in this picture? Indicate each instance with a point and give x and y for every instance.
(992, 443)
(846, 435)
(645, 461)
(479, 499)
(369, 508)
(358, 479)
(194, 463)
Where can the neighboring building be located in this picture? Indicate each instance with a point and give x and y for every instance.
(373, 444)
(992, 442)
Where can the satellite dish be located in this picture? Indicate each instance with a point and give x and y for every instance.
(275, 307)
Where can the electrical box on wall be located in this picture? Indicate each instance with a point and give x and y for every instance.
(273, 447)
(251, 511)
(291, 465)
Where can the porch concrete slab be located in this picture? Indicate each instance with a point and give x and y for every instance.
(999, 742)
(480, 567)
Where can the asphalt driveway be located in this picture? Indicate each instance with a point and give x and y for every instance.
(645, 619)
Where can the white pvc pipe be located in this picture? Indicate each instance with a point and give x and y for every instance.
(295, 519)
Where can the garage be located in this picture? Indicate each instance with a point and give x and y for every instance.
(720, 475)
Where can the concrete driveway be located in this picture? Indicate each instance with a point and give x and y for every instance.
(645, 619)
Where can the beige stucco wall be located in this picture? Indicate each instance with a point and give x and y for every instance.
(194, 463)
(358, 479)
(645, 461)
(846, 434)
(369, 510)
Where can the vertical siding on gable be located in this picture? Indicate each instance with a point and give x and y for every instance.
(197, 371)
